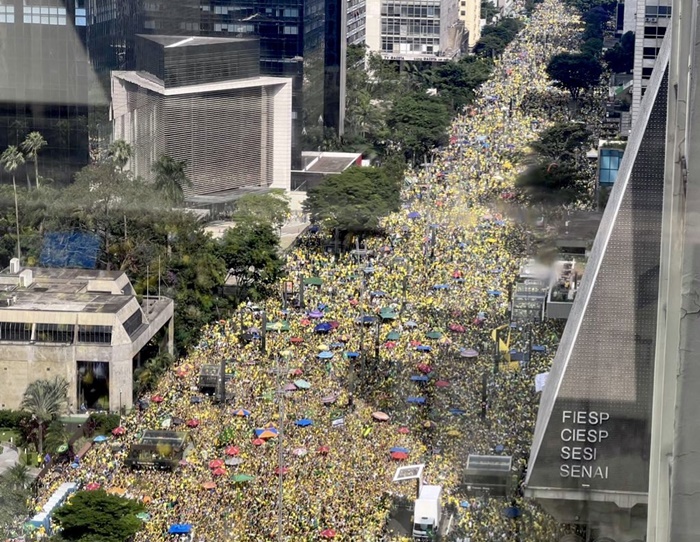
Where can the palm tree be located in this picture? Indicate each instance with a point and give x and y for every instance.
(11, 159)
(120, 152)
(33, 143)
(17, 476)
(45, 400)
(171, 178)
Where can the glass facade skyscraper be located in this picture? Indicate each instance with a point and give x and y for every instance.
(44, 76)
(302, 39)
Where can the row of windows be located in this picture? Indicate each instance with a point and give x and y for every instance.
(657, 11)
(654, 31)
(651, 52)
(410, 11)
(396, 29)
(43, 15)
(236, 28)
(55, 333)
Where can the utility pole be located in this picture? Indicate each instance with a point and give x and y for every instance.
(263, 333)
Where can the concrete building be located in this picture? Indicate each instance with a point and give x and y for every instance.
(86, 326)
(470, 14)
(419, 30)
(356, 21)
(651, 19)
(202, 100)
(590, 458)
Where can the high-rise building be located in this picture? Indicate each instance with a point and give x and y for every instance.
(470, 14)
(589, 463)
(651, 19)
(202, 100)
(44, 72)
(301, 39)
(419, 30)
(356, 21)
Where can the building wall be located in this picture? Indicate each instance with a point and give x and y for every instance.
(356, 21)
(470, 14)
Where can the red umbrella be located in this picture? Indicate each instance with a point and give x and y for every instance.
(415, 343)
(328, 533)
(457, 328)
(324, 450)
(216, 463)
(399, 456)
(297, 372)
(92, 486)
(192, 423)
(296, 340)
(424, 368)
(404, 430)
(258, 442)
(334, 324)
(353, 302)
(390, 344)
(157, 398)
(218, 472)
(305, 322)
(118, 431)
(285, 470)
(232, 450)
(442, 384)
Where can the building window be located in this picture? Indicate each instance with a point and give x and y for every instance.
(95, 334)
(133, 322)
(55, 333)
(7, 14)
(14, 331)
(291, 13)
(291, 30)
(80, 17)
(45, 15)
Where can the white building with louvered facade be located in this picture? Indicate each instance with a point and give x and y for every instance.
(203, 101)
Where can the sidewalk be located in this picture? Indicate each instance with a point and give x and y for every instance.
(8, 458)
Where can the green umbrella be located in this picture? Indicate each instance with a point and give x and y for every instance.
(388, 315)
(393, 336)
(433, 335)
(62, 448)
(242, 477)
(313, 281)
(281, 325)
(143, 516)
(302, 384)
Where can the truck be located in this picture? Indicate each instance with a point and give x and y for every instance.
(427, 513)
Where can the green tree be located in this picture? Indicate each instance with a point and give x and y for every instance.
(11, 159)
(355, 200)
(171, 178)
(271, 208)
(250, 251)
(13, 497)
(592, 47)
(418, 124)
(120, 152)
(56, 436)
(574, 72)
(620, 59)
(46, 400)
(490, 46)
(96, 515)
(555, 184)
(32, 144)
(561, 142)
(488, 10)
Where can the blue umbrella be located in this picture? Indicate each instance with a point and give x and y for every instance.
(512, 512)
(539, 348)
(325, 327)
(462, 245)
(499, 449)
(369, 269)
(441, 287)
(419, 378)
(368, 320)
(398, 449)
(377, 293)
(414, 214)
(314, 228)
(464, 504)
(416, 400)
(352, 354)
(261, 430)
(457, 411)
(180, 528)
(494, 293)
(304, 422)
(423, 348)
(337, 345)
(325, 355)
(99, 438)
(74, 465)
(196, 400)
(322, 306)
(410, 323)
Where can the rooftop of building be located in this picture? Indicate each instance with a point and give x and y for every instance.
(172, 42)
(149, 81)
(329, 162)
(64, 290)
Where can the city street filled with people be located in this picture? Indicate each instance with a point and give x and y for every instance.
(387, 363)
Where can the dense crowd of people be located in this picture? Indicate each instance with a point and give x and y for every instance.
(391, 350)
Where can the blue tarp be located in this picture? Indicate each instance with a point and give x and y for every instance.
(416, 400)
(304, 422)
(180, 528)
(419, 378)
(70, 249)
(325, 355)
(398, 449)
(423, 348)
(352, 354)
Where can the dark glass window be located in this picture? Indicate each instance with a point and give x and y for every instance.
(95, 334)
(55, 333)
(15, 331)
(133, 322)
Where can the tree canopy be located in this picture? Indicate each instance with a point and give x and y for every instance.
(271, 207)
(561, 142)
(354, 200)
(620, 59)
(97, 515)
(575, 72)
